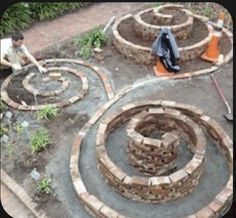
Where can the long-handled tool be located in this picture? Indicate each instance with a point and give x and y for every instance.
(228, 116)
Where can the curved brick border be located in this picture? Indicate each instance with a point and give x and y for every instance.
(142, 54)
(21, 195)
(159, 188)
(64, 81)
(149, 31)
(106, 83)
(73, 99)
(95, 207)
(165, 18)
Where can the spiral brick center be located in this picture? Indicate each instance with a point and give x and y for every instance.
(150, 155)
(153, 156)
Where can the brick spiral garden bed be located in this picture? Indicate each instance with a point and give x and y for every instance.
(154, 188)
(41, 88)
(133, 36)
(161, 188)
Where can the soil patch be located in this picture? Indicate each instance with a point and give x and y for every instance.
(50, 205)
(66, 122)
(178, 17)
(17, 92)
(19, 161)
(127, 31)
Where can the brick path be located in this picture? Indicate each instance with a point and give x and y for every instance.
(44, 35)
(50, 33)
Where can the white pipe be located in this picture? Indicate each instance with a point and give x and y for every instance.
(108, 24)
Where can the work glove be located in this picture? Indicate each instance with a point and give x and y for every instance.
(42, 69)
(16, 67)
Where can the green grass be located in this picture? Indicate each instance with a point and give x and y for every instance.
(44, 186)
(47, 113)
(39, 140)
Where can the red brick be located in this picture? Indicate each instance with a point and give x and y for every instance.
(100, 139)
(177, 176)
(205, 213)
(79, 185)
(118, 173)
(95, 203)
(152, 141)
(156, 110)
(108, 212)
(128, 180)
(142, 181)
(224, 195)
(215, 206)
(162, 180)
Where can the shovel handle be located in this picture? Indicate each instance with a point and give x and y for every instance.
(221, 93)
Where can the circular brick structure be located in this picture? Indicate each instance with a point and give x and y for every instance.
(152, 156)
(215, 208)
(55, 74)
(52, 76)
(164, 19)
(148, 31)
(157, 156)
(141, 54)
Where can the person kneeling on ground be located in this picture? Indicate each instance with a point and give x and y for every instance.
(13, 53)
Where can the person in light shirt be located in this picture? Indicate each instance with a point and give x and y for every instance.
(13, 53)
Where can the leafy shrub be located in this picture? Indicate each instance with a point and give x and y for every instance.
(208, 11)
(39, 140)
(75, 5)
(44, 186)
(46, 11)
(47, 113)
(21, 15)
(94, 39)
(15, 18)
